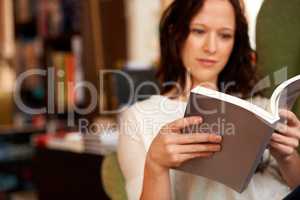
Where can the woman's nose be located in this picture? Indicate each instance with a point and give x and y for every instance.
(210, 44)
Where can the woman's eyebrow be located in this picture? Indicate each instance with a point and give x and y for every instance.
(227, 29)
(203, 25)
(198, 24)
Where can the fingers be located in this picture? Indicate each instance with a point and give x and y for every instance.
(283, 144)
(283, 149)
(288, 130)
(179, 124)
(185, 157)
(194, 138)
(284, 140)
(290, 116)
(181, 158)
(198, 148)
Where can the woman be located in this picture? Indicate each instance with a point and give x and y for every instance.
(202, 42)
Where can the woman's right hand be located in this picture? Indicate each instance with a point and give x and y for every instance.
(170, 148)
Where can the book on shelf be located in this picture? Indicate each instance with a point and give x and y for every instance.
(66, 68)
(246, 129)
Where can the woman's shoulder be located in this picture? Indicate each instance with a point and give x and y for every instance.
(143, 107)
(156, 105)
(131, 117)
(144, 118)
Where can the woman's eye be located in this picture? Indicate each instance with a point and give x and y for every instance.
(198, 31)
(226, 36)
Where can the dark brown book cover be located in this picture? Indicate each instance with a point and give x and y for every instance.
(245, 137)
(245, 127)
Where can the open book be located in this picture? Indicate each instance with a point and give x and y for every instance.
(246, 129)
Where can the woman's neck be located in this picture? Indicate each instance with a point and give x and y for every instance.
(211, 84)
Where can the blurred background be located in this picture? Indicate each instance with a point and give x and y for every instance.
(48, 155)
(45, 156)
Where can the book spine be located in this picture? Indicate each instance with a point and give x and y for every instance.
(58, 63)
(78, 71)
(70, 65)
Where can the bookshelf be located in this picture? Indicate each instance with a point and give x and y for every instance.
(48, 37)
(75, 37)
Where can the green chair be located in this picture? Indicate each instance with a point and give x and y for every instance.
(278, 39)
(112, 178)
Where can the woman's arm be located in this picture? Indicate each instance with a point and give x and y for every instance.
(283, 147)
(157, 183)
(170, 149)
(290, 170)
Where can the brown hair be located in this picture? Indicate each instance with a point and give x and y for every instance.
(174, 30)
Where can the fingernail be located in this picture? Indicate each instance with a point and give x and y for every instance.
(218, 148)
(218, 138)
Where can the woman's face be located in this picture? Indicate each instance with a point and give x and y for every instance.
(210, 41)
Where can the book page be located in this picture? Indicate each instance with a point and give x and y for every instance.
(285, 95)
(260, 112)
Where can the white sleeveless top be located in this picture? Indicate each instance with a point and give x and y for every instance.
(139, 125)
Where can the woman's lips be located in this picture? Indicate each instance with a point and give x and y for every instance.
(207, 62)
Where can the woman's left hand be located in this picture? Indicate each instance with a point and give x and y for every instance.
(283, 145)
